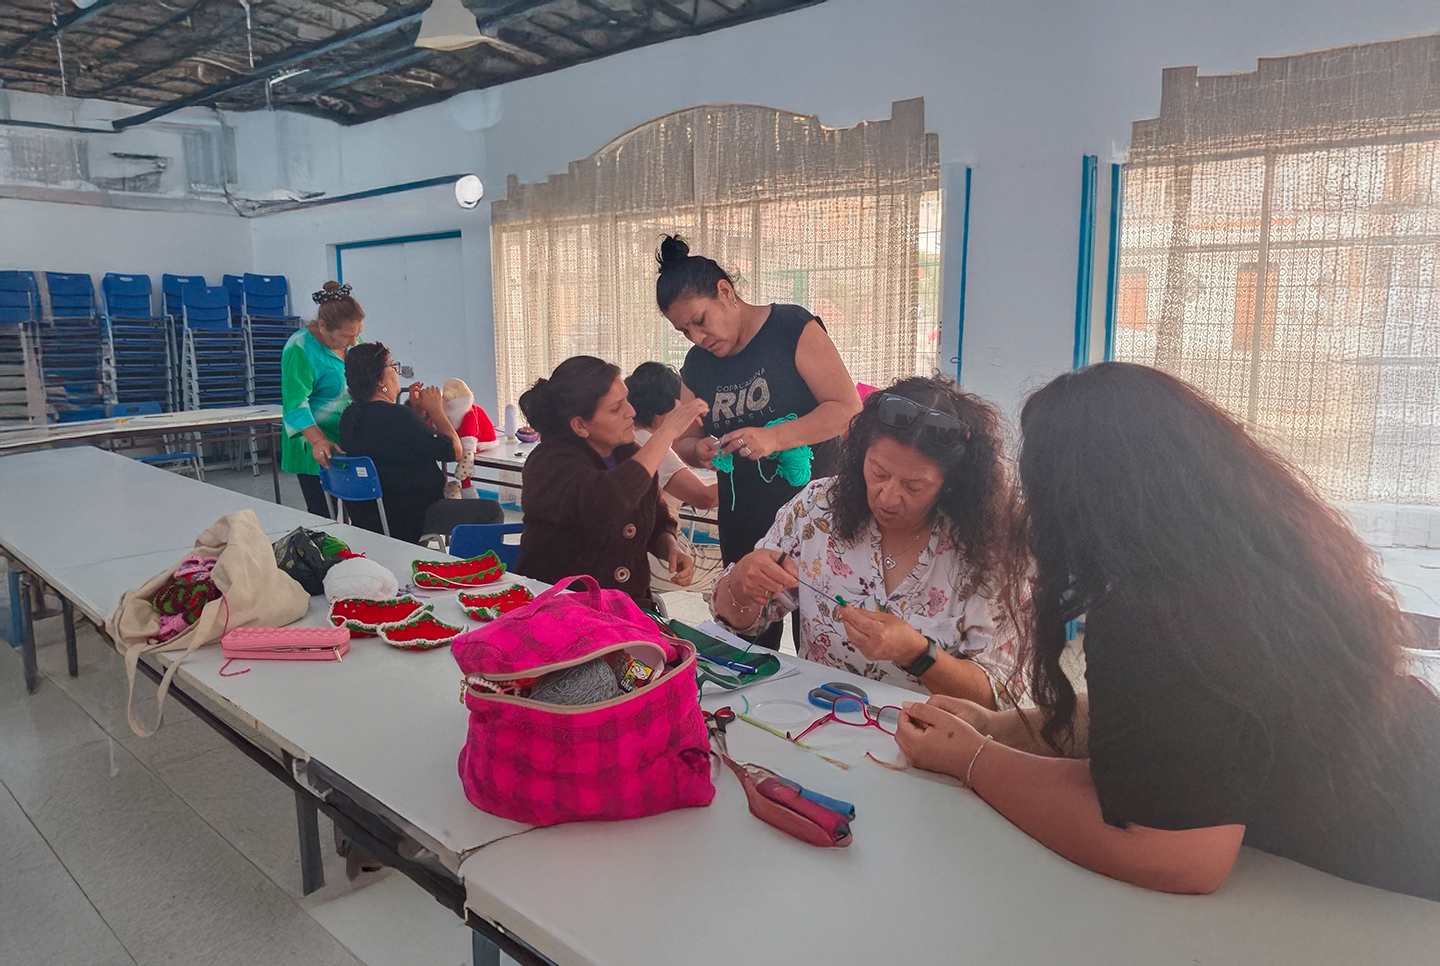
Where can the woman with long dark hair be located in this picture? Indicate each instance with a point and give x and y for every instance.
(914, 533)
(1244, 663)
(756, 367)
(592, 502)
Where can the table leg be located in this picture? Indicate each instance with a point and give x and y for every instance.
(482, 951)
(312, 867)
(27, 640)
(17, 612)
(275, 463)
(72, 659)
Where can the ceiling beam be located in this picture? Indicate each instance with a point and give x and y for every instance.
(147, 70)
(399, 17)
(74, 17)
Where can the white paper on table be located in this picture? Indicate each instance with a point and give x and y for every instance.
(721, 634)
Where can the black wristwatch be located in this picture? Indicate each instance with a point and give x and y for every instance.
(925, 661)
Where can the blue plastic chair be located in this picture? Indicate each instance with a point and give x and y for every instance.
(171, 286)
(146, 408)
(205, 306)
(19, 297)
(72, 296)
(235, 285)
(473, 539)
(127, 296)
(352, 478)
(158, 460)
(267, 296)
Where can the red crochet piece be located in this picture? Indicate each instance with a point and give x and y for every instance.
(363, 617)
(484, 569)
(487, 607)
(421, 632)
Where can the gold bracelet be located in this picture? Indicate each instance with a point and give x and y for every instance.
(969, 771)
(730, 589)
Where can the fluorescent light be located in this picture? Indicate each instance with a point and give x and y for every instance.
(447, 25)
(468, 191)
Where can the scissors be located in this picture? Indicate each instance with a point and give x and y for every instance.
(826, 695)
(717, 722)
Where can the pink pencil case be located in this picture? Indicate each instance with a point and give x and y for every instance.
(286, 643)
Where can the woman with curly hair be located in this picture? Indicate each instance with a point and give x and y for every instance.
(914, 535)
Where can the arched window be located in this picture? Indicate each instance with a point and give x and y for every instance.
(843, 221)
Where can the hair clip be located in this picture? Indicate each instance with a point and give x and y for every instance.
(331, 295)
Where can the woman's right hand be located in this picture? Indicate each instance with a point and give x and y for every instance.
(322, 449)
(681, 418)
(706, 449)
(757, 575)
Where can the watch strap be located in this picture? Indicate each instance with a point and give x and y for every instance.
(925, 661)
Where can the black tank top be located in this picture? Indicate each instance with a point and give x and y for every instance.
(755, 386)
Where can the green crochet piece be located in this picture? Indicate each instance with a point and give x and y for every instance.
(794, 463)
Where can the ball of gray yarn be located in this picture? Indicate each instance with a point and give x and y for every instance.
(585, 684)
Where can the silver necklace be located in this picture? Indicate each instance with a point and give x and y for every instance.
(889, 560)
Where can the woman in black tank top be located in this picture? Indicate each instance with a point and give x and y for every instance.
(753, 364)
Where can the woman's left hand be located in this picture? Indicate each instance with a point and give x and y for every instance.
(682, 566)
(936, 740)
(882, 637)
(751, 443)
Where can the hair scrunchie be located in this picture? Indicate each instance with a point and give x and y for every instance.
(331, 295)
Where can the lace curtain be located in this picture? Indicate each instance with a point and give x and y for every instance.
(1280, 249)
(843, 221)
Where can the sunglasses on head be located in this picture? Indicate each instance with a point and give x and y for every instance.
(897, 412)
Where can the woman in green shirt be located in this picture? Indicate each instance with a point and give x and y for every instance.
(312, 389)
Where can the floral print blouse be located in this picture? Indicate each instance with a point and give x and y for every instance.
(927, 598)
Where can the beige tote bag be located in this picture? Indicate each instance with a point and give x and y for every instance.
(255, 593)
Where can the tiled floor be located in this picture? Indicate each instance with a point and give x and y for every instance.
(175, 849)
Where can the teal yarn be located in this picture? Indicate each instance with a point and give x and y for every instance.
(794, 463)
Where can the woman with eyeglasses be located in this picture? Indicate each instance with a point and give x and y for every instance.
(312, 389)
(408, 444)
(913, 535)
(1246, 677)
(755, 366)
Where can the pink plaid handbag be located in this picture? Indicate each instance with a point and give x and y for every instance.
(640, 753)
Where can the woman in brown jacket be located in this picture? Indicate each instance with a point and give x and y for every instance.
(592, 504)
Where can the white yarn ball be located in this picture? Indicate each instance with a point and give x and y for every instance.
(362, 578)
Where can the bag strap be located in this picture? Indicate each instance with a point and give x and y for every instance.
(132, 660)
(590, 583)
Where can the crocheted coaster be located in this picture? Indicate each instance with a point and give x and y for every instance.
(484, 569)
(362, 618)
(487, 607)
(419, 633)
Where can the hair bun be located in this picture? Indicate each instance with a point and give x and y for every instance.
(673, 251)
(331, 286)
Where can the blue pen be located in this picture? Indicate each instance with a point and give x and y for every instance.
(735, 665)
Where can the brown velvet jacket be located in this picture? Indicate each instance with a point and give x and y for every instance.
(581, 518)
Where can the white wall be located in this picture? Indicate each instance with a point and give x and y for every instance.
(1021, 89)
(300, 244)
(50, 237)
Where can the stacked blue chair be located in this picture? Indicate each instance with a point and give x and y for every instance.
(169, 458)
(72, 349)
(268, 326)
(142, 358)
(216, 360)
(235, 285)
(170, 288)
(19, 297)
(19, 307)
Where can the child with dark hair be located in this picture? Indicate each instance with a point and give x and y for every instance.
(654, 391)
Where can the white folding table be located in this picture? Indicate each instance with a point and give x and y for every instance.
(934, 875)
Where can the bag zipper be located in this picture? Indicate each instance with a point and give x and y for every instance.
(467, 688)
(272, 650)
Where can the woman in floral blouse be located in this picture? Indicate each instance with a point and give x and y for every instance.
(914, 535)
